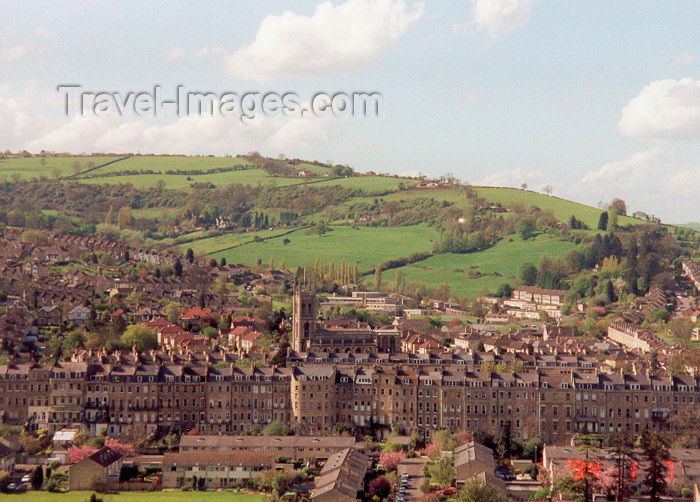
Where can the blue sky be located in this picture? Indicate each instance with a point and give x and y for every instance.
(600, 99)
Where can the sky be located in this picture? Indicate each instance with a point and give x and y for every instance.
(598, 99)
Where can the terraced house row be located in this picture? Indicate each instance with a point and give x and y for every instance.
(133, 393)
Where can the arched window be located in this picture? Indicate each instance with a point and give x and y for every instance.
(306, 329)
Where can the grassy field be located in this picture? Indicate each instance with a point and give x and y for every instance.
(184, 182)
(499, 264)
(174, 496)
(212, 244)
(562, 209)
(370, 184)
(173, 163)
(365, 246)
(31, 167)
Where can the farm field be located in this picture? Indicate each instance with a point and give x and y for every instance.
(370, 184)
(181, 181)
(212, 244)
(173, 163)
(174, 496)
(365, 246)
(503, 259)
(562, 208)
(30, 167)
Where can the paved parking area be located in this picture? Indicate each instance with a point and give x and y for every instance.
(414, 467)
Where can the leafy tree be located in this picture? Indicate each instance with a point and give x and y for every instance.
(341, 429)
(275, 428)
(173, 311)
(681, 330)
(655, 452)
(178, 268)
(526, 227)
(380, 487)
(442, 471)
(398, 281)
(124, 217)
(533, 449)
(505, 290)
(608, 292)
(528, 274)
(73, 341)
(37, 478)
(621, 449)
(505, 442)
(210, 331)
(619, 206)
(603, 221)
(378, 277)
(142, 337)
(476, 490)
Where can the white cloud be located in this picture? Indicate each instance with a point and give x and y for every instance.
(498, 17)
(470, 97)
(33, 43)
(515, 178)
(175, 53)
(19, 116)
(14, 53)
(651, 181)
(683, 59)
(343, 38)
(208, 51)
(188, 135)
(26, 122)
(664, 109)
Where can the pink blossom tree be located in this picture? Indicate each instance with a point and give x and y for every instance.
(389, 460)
(124, 449)
(77, 453)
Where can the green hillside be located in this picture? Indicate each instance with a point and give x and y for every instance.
(563, 209)
(36, 167)
(360, 210)
(472, 274)
(364, 246)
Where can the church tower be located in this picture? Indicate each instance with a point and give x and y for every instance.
(303, 314)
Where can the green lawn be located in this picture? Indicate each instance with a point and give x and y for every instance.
(174, 496)
(365, 246)
(503, 259)
(562, 209)
(31, 167)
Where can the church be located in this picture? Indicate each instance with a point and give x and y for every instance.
(348, 337)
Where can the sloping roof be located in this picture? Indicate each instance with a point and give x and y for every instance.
(471, 452)
(344, 472)
(5, 450)
(212, 441)
(213, 458)
(105, 456)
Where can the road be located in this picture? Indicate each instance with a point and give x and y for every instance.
(414, 467)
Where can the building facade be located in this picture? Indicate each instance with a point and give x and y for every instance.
(145, 393)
